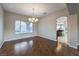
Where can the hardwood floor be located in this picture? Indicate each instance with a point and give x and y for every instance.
(36, 46)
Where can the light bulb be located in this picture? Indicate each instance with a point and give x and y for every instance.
(36, 20)
(33, 18)
(30, 19)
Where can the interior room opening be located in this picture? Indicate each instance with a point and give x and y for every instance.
(61, 29)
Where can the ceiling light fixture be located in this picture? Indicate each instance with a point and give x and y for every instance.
(33, 19)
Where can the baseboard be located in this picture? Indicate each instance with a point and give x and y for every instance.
(48, 38)
(2, 44)
(18, 38)
(75, 47)
(12, 40)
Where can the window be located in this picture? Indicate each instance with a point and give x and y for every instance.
(23, 27)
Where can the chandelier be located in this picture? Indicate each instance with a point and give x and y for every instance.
(33, 19)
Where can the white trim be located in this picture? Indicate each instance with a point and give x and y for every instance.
(17, 38)
(75, 47)
(2, 44)
(12, 40)
(47, 38)
(39, 36)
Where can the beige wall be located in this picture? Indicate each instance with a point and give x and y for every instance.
(1, 26)
(9, 21)
(47, 25)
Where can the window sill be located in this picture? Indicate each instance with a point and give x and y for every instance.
(23, 33)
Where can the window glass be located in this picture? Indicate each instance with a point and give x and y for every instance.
(17, 27)
(23, 27)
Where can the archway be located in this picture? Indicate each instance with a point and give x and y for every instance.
(61, 29)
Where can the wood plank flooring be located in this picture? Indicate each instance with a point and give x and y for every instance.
(36, 46)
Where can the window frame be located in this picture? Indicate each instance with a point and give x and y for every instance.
(20, 28)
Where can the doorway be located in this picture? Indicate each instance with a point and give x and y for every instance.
(61, 29)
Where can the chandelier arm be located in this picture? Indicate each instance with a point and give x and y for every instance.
(33, 19)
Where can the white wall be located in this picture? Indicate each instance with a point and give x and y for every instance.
(47, 25)
(1, 26)
(78, 22)
(10, 27)
(72, 30)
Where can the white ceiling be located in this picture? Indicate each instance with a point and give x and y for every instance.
(41, 9)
